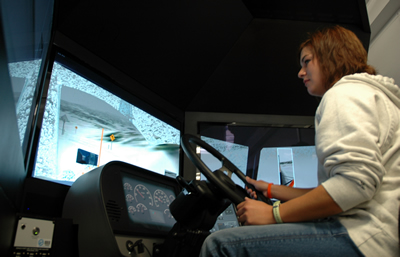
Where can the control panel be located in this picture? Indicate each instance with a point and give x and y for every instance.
(33, 237)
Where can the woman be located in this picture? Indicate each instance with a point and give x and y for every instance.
(354, 210)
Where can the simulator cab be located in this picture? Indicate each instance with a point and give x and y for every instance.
(129, 127)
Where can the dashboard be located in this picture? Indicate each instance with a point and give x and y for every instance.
(118, 204)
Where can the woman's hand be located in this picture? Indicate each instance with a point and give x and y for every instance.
(253, 212)
(260, 185)
(315, 204)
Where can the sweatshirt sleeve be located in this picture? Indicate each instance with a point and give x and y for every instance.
(351, 127)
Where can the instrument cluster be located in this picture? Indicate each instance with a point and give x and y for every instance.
(148, 202)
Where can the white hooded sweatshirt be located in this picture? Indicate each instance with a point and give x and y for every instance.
(358, 147)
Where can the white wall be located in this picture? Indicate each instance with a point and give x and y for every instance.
(384, 50)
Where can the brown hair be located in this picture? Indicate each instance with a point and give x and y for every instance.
(339, 53)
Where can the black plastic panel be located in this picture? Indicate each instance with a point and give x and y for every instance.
(97, 202)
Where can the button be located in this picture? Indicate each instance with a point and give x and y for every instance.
(36, 231)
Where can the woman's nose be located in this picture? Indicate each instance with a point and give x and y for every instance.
(301, 73)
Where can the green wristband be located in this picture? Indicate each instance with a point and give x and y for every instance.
(275, 210)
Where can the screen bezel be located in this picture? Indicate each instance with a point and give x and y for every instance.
(192, 120)
(81, 68)
(300, 135)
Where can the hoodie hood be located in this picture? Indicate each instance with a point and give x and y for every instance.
(385, 84)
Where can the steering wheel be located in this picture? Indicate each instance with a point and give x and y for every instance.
(217, 178)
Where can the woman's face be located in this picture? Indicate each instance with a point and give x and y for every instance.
(311, 73)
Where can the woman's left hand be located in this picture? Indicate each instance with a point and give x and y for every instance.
(253, 212)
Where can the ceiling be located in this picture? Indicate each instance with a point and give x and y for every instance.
(210, 55)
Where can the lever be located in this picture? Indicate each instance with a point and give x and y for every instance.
(183, 183)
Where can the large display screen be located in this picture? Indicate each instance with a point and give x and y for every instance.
(280, 153)
(27, 29)
(236, 153)
(86, 126)
(290, 166)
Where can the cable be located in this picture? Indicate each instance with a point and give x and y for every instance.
(147, 250)
(141, 247)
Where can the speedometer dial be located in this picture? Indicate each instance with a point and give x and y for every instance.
(143, 195)
(161, 198)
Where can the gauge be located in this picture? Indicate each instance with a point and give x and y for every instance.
(141, 208)
(131, 209)
(171, 198)
(127, 187)
(161, 198)
(143, 195)
(129, 198)
(168, 214)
